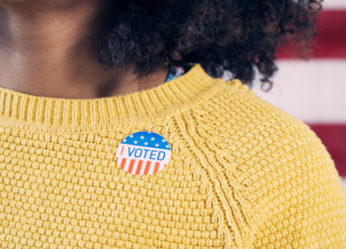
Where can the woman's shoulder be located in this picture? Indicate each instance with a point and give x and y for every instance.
(257, 136)
(272, 167)
(236, 113)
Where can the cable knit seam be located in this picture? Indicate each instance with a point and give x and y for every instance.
(219, 183)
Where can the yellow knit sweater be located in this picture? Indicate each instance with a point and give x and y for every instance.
(242, 173)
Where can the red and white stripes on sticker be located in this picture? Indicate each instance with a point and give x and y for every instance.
(140, 167)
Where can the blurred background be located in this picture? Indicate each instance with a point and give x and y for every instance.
(315, 91)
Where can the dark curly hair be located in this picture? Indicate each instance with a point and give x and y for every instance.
(234, 35)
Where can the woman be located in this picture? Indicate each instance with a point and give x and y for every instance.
(117, 131)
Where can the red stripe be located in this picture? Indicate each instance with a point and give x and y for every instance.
(131, 165)
(331, 36)
(147, 167)
(157, 165)
(333, 137)
(123, 163)
(139, 166)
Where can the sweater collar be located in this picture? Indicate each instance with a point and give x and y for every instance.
(123, 110)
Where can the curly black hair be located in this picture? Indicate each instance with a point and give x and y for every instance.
(234, 35)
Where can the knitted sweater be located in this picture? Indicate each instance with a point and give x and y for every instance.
(242, 173)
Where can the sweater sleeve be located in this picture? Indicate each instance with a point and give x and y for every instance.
(301, 197)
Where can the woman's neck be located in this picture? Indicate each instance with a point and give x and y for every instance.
(48, 48)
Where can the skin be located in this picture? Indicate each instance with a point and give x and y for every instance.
(48, 48)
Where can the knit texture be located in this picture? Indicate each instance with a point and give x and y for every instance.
(243, 173)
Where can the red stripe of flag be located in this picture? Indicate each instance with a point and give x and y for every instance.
(331, 36)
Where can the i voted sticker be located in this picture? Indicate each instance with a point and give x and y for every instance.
(143, 153)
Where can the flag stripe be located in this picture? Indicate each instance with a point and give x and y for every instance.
(334, 4)
(331, 36)
(312, 91)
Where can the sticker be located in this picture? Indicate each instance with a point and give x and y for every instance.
(143, 153)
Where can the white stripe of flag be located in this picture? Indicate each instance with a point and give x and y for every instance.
(334, 4)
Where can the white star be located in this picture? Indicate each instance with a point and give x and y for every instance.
(124, 140)
(152, 139)
(146, 143)
(142, 137)
(149, 132)
(135, 142)
(167, 146)
(156, 144)
(131, 136)
(163, 140)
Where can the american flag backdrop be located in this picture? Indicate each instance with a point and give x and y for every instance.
(315, 91)
(143, 153)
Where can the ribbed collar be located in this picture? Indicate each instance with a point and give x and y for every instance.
(47, 113)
